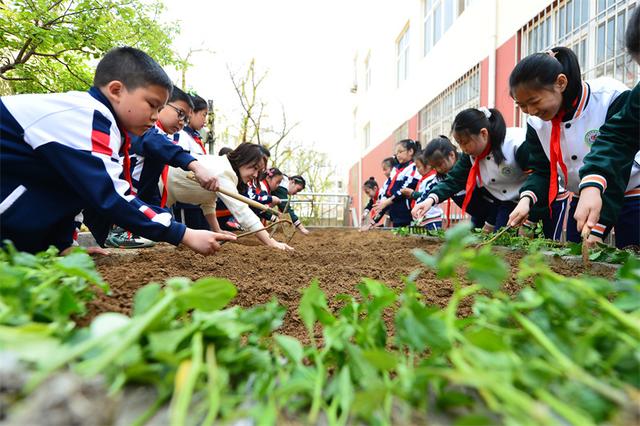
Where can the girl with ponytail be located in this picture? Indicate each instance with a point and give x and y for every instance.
(495, 158)
(565, 114)
(404, 175)
(614, 156)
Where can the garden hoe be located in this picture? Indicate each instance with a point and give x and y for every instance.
(284, 221)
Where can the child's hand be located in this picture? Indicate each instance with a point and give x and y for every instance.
(406, 192)
(205, 178)
(520, 213)
(593, 240)
(204, 242)
(589, 207)
(420, 209)
(275, 200)
(382, 204)
(281, 246)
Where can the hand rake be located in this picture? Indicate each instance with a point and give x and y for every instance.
(286, 224)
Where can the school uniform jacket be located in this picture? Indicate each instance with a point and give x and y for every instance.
(599, 100)
(181, 188)
(149, 155)
(502, 180)
(259, 191)
(61, 153)
(610, 164)
(282, 192)
(423, 190)
(191, 141)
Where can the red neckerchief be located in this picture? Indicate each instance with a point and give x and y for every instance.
(127, 161)
(372, 213)
(422, 179)
(471, 178)
(266, 185)
(199, 142)
(555, 157)
(165, 174)
(393, 181)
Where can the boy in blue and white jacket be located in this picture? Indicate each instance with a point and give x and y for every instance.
(62, 153)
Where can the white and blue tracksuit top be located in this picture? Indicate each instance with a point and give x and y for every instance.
(150, 153)
(61, 153)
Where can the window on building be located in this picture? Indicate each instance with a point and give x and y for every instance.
(366, 135)
(367, 72)
(437, 116)
(438, 17)
(402, 56)
(593, 29)
(401, 132)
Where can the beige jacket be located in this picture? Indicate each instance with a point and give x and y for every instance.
(182, 189)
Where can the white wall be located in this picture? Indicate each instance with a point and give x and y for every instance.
(471, 38)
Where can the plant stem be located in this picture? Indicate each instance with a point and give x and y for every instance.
(317, 390)
(182, 400)
(96, 365)
(152, 410)
(569, 413)
(571, 369)
(212, 386)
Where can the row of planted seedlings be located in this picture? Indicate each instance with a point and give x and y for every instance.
(563, 351)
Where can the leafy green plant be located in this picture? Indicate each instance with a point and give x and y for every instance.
(46, 288)
(564, 350)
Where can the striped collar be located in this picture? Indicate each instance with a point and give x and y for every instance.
(100, 97)
(581, 103)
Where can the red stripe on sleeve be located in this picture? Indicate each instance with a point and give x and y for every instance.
(100, 143)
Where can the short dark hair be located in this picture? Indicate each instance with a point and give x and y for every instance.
(540, 71)
(298, 180)
(132, 67)
(370, 183)
(470, 121)
(272, 172)
(632, 35)
(224, 150)
(439, 148)
(199, 103)
(410, 144)
(247, 154)
(390, 162)
(179, 95)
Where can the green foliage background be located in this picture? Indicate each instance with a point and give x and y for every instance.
(53, 45)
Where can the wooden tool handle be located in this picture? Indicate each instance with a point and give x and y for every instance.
(238, 197)
(244, 199)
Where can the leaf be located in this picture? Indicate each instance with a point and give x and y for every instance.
(474, 420)
(291, 347)
(145, 298)
(80, 264)
(163, 343)
(312, 299)
(207, 294)
(345, 389)
(425, 258)
(487, 269)
(487, 339)
(381, 359)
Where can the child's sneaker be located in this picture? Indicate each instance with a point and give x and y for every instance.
(124, 239)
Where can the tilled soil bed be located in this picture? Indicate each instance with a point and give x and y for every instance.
(336, 258)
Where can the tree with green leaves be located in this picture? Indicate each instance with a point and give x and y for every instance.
(52, 45)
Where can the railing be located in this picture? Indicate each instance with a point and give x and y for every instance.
(325, 210)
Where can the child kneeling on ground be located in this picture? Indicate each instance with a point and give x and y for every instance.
(233, 171)
(63, 153)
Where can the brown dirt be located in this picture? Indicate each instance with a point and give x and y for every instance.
(337, 258)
